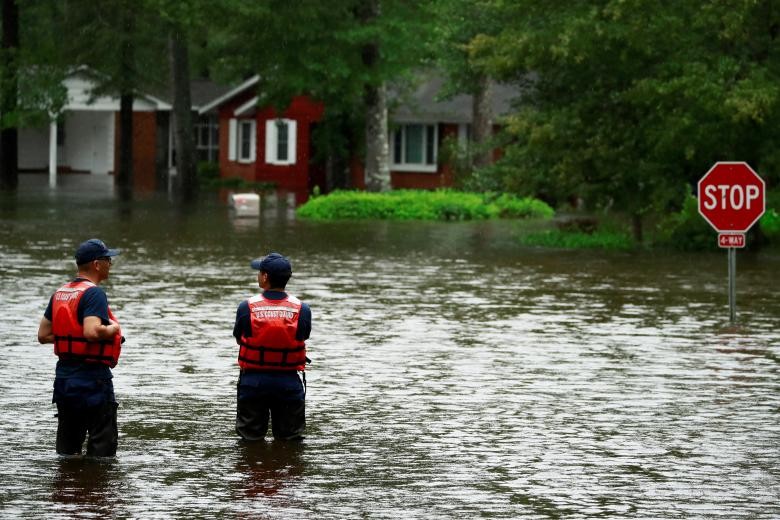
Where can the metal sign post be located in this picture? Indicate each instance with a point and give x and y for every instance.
(732, 241)
(732, 285)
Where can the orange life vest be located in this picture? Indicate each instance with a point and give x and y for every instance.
(273, 345)
(69, 340)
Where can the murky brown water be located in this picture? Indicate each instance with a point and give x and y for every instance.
(455, 374)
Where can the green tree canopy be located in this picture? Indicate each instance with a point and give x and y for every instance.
(627, 101)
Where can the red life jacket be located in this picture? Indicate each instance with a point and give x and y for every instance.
(69, 340)
(272, 345)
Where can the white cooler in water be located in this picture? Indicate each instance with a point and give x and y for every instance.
(245, 204)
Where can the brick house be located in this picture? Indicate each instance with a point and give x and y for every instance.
(84, 137)
(419, 124)
(257, 144)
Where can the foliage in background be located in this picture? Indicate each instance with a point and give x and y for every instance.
(316, 48)
(629, 101)
(770, 222)
(421, 205)
(686, 229)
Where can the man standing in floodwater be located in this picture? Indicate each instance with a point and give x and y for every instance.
(271, 329)
(87, 339)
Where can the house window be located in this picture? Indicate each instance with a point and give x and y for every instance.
(207, 138)
(246, 141)
(415, 147)
(280, 138)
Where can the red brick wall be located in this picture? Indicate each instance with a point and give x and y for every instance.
(293, 177)
(228, 169)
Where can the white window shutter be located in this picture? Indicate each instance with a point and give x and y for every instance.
(232, 139)
(253, 142)
(292, 139)
(270, 141)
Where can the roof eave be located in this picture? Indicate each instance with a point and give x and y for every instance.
(221, 99)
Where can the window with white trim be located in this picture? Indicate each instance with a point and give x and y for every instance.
(415, 147)
(207, 138)
(246, 140)
(280, 138)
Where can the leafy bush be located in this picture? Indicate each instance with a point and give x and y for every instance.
(600, 239)
(510, 206)
(770, 222)
(420, 205)
(208, 173)
(770, 225)
(686, 230)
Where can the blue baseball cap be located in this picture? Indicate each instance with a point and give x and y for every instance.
(272, 263)
(93, 249)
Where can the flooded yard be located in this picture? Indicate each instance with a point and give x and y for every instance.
(455, 374)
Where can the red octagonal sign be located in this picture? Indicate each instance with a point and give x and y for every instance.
(731, 196)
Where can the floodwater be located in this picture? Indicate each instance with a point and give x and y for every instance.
(455, 374)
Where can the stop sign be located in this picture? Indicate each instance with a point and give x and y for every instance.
(731, 196)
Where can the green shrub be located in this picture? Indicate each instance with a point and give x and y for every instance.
(510, 206)
(770, 222)
(208, 173)
(686, 230)
(419, 205)
(600, 239)
(770, 225)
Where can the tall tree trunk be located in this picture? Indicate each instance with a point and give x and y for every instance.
(377, 147)
(182, 109)
(9, 137)
(375, 98)
(124, 179)
(482, 122)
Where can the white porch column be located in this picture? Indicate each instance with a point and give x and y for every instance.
(53, 153)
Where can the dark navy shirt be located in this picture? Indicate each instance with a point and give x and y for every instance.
(243, 326)
(93, 303)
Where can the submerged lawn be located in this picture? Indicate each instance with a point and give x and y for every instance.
(422, 205)
(600, 239)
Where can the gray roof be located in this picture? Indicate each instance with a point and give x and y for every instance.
(424, 105)
(204, 91)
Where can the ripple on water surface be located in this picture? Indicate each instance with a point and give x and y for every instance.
(455, 374)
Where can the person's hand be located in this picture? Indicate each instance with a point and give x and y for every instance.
(115, 327)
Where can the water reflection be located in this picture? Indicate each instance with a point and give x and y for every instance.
(244, 224)
(268, 467)
(89, 483)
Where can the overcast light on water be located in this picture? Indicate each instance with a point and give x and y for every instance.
(455, 373)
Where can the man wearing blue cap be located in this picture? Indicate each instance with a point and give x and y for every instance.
(87, 339)
(271, 329)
